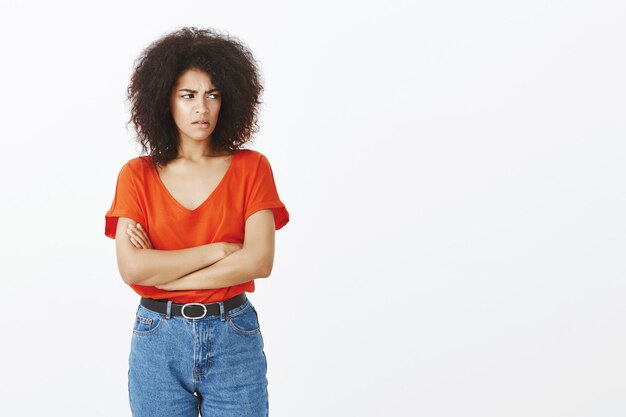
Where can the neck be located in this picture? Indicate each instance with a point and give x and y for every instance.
(195, 151)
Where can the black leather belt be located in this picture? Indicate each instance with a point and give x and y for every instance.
(192, 310)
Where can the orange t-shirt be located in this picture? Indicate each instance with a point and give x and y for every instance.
(248, 186)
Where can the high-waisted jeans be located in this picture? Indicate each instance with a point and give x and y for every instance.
(214, 366)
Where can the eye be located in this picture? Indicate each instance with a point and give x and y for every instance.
(214, 95)
(185, 95)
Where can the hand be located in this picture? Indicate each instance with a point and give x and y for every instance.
(190, 281)
(179, 284)
(170, 286)
(139, 237)
(230, 248)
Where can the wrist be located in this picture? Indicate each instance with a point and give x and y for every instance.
(217, 251)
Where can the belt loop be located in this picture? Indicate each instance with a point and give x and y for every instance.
(169, 309)
(221, 303)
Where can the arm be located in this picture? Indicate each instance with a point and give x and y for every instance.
(152, 266)
(254, 260)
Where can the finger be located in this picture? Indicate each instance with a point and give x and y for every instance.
(132, 239)
(143, 235)
(139, 237)
(145, 239)
(137, 243)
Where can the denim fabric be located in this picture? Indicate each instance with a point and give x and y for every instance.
(213, 366)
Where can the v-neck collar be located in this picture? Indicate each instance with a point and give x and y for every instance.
(205, 202)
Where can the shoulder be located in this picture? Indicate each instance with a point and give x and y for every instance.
(139, 163)
(250, 154)
(136, 167)
(252, 157)
(251, 160)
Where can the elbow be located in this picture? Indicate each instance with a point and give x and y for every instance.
(130, 273)
(265, 268)
(258, 263)
(132, 263)
(264, 272)
(127, 274)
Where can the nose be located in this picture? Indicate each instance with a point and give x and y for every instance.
(202, 106)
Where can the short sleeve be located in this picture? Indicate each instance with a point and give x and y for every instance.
(262, 194)
(125, 202)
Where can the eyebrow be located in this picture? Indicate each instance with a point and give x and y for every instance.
(195, 91)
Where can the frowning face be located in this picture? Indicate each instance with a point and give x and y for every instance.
(195, 105)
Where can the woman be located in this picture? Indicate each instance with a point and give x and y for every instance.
(194, 223)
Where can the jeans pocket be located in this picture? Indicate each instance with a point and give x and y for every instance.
(245, 322)
(146, 321)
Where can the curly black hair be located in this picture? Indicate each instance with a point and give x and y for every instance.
(233, 70)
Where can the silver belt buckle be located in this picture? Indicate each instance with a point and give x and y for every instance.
(182, 310)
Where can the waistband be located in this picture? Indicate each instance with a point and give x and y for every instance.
(193, 310)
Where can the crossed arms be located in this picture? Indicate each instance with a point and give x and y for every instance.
(215, 265)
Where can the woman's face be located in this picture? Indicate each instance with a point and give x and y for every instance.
(195, 104)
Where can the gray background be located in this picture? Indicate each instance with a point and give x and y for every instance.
(454, 173)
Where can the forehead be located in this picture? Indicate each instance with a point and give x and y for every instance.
(194, 77)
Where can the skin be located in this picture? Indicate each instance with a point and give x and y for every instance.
(193, 97)
(197, 161)
(197, 169)
(139, 237)
(202, 102)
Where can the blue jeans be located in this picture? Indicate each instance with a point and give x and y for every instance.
(214, 366)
